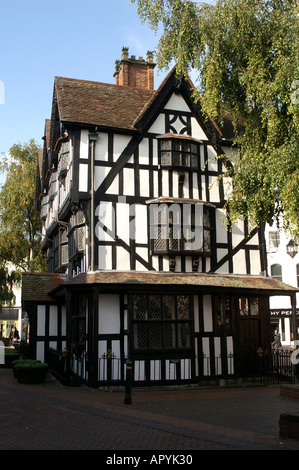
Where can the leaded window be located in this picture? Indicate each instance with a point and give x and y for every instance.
(249, 306)
(224, 311)
(180, 228)
(161, 322)
(179, 152)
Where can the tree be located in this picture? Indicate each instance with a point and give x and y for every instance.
(20, 224)
(246, 54)
(8, 280)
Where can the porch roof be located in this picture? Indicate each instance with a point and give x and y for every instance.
(37, 286)
(262, 284)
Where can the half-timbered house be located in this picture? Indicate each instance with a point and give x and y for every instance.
(141, 264)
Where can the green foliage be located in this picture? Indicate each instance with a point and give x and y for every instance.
(20, 224)
(247, 57)
(7, 282)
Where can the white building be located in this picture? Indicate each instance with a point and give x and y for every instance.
(283, 265)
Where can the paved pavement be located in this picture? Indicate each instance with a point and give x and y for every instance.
(53, 417)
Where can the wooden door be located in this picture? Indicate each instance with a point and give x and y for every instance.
(249, 334)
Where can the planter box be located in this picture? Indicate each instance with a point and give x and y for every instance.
(30, 372)
(10, 355)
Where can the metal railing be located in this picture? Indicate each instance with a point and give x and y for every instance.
(274, 367)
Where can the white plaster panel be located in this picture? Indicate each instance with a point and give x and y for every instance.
(84, 144)
(158, 126)
(197, 131)
(237, 233)
(212, 159)
(239, 262)
(141, 223)
(177, 103)
(214, 189)
(106, 217)
(221, 231)
(83, 177)
(207, 313)
(129, 183)
(143, 253)
(53, 320)
(165, 183)
(195, 186)
(144, 183)
(255, 262)
(109, 314)
(100, 173)
(105, 257)
(101, 148)
(119, 144)
(122, 221)
(41, 320)
(143, 152)
(40, 351)
(206, 352)
(122, 259)
(156, 187)
(155, 152)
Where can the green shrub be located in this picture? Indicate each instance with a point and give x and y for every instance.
(30, 371)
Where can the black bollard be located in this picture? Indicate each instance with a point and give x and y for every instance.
(128, 399)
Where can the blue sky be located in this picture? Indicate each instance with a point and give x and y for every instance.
(40, 39)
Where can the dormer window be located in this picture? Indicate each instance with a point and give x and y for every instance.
(177, 151)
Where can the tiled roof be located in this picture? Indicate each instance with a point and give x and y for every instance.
(229, 281)
(36, 286)
(101, 104)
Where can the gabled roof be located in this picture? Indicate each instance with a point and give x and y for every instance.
(99, 104)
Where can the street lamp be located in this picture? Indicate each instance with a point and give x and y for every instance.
(292, 248)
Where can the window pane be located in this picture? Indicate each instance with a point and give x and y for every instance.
(194, 161)
(140, 307)
(276, 271)
(140, 336)
(254, 306)
(184, 335)
(176, 159)
(243, 306)
(274, 238)
(154, 308)
(168, 307)
(165, 144)
(154, 336)
(166, 158)
(183, 307)
(176, 145)
(169, 336)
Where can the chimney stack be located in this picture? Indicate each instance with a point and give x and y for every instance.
(138, 73)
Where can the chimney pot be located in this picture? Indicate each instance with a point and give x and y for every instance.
(135, 73)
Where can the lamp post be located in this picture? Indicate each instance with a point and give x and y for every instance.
(128, 399)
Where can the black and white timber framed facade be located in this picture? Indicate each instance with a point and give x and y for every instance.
(140, 262)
